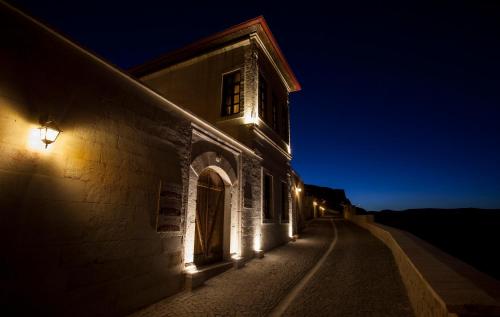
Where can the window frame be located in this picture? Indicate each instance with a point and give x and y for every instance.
(271, 195)
(262, 106)
(223, 106)
(285, 122)
(275, 104)
(285, 202)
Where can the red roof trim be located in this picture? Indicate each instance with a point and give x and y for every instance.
(191, 47)
(271, 37)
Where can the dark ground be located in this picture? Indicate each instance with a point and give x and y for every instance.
(471, 235)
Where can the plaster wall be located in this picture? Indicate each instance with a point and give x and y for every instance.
(197, 83)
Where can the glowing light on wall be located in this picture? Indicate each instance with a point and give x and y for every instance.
(41, 137)
(257, 241)
(298, 190)
(315, 203)
(34, 142)
(236, 256)
(250, 118)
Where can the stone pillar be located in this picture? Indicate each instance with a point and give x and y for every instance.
(251, 83)
(251, 218)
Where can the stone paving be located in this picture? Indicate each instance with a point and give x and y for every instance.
(255, 289)
(359, 278)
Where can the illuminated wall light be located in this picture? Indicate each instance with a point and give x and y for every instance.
(235, 256)
(250, 118)
(298, 190)
(34, 142)
(40, 138)
(257, 242)
(191, 268)
(315, 203)
(48, 135)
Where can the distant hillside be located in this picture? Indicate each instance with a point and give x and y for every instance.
(470, 234)
(440, 210)
(334, 197)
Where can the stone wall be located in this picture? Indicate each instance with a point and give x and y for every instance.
(251, 234)
(96, 223)
(79, 220)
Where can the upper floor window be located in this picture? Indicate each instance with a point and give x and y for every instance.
(274, 113)
(231, 93)
(262, 98)
(273, 108)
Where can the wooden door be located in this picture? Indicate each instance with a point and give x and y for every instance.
(209, 218)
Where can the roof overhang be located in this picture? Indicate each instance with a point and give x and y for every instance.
(234, 34)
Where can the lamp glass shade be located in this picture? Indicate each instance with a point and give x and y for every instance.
(48, 134)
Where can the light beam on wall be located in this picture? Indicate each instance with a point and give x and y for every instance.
(250, 118)
(257, 241)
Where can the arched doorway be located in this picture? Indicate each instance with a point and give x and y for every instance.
(210, 199)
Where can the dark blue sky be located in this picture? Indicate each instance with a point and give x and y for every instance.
(400, 103)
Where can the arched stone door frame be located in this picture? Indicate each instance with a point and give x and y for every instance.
(219, 164)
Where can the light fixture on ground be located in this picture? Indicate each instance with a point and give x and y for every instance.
(48, 131)
(191, 268)
(257, 245)
(238, 260)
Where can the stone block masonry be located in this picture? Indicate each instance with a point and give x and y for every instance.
(103, 221)
(79, 220)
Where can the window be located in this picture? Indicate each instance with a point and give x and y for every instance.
(273, 107)
(284, 202)
(231, 90)
(284, 122)
(267, 196)
(262, 98)
(274, 114)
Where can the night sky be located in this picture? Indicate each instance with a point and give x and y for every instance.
(400, 103)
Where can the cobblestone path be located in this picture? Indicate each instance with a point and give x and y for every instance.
(255, 289)
(359, 278)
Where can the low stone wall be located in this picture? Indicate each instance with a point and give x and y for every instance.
(434, 289)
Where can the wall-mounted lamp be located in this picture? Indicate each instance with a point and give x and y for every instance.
(315, 203)
(321, 208)
(48, 132)
(297, 190)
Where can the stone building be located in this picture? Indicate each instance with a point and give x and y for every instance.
(184, 162)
